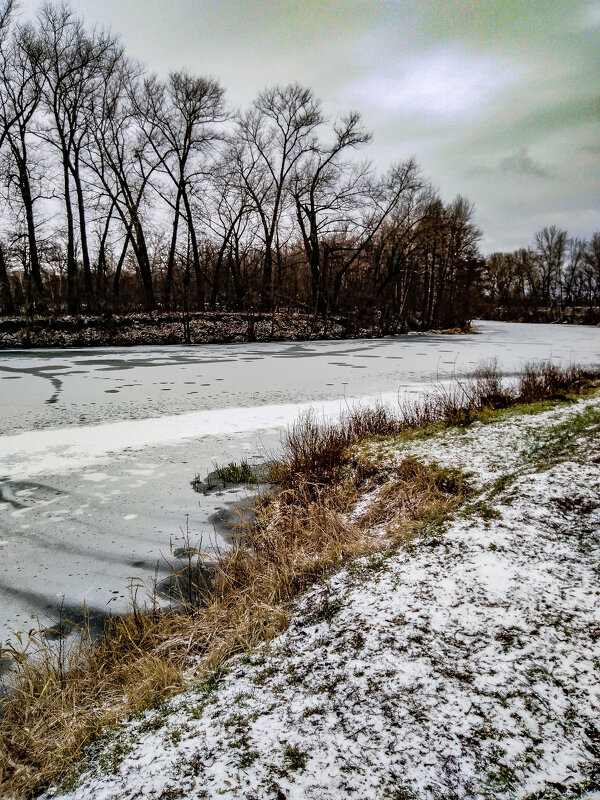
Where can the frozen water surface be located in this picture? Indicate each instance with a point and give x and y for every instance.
(98, 447)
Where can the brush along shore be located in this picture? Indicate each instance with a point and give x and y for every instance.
(198, 327)
(451, 647)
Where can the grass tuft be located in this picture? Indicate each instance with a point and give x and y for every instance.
(315, 454)
(236, 473)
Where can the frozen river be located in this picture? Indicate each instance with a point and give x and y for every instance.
(98, 447)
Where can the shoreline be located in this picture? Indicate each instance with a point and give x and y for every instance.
(172, 328)
(160, 328)
(571, 315)
(370, 485)
(358, 638)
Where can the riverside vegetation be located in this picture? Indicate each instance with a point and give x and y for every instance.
(309, 523)
(125, 193)
(461, 665)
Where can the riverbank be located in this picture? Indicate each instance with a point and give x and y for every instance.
(160, 328)
(462, 664)
(216, 327)
(337, 501)
(571, 315)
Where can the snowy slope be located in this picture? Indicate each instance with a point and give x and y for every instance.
(466, 666)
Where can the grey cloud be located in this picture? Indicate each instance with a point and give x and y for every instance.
(521, 163)
(547, 101)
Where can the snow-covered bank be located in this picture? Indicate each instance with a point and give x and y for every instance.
(463, 667)
(169, 327)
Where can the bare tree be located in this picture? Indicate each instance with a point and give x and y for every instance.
(462, 263)
(20, 98)
(180, 119)
(550, 245)
(500, 272)
(326, 191)
(75, 65)
(573, 278)
(7, 9)
(592, 270)
(6, 298)
(273, 136)
(7, 303)
(119, 157)
(384, 197)
(396, 257)
(229, 220)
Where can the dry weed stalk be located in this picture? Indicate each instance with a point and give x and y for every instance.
(58, 709)
(315, 454)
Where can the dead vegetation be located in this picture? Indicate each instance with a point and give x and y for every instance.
(316, 453)
(409, 493)
(58, 704)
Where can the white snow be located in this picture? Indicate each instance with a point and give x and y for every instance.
(463, 667)
(61, 450)
(487, 451)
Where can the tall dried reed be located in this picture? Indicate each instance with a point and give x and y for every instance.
(315, 453)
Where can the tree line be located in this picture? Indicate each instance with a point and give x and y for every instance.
(124, 191)
(555, 272)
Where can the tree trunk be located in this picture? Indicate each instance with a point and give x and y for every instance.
(171, 258)
(313, 254)
(72, 293)
(138, 241)
(195, 254)
(36, 272)
(101, 265)
(266, 289)
(25, 189)
(217, 275)
(6, 299)
(120, 263)
(85, 255)
(219, 264)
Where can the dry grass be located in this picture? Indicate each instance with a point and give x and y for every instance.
(315, 454)
(410, 493)
(551, 382)
(60, 703)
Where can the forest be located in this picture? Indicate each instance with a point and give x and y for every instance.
(554, 273)
(125, 192)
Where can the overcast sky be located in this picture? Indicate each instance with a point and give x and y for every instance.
(498, 100)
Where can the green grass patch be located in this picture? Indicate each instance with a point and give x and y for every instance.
(210, 685)
(555, 443)
(232, 474)
(488, 415)
(480, 508)
(236, 473)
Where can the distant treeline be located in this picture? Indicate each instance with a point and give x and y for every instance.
(554, 274)
(126, 192)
